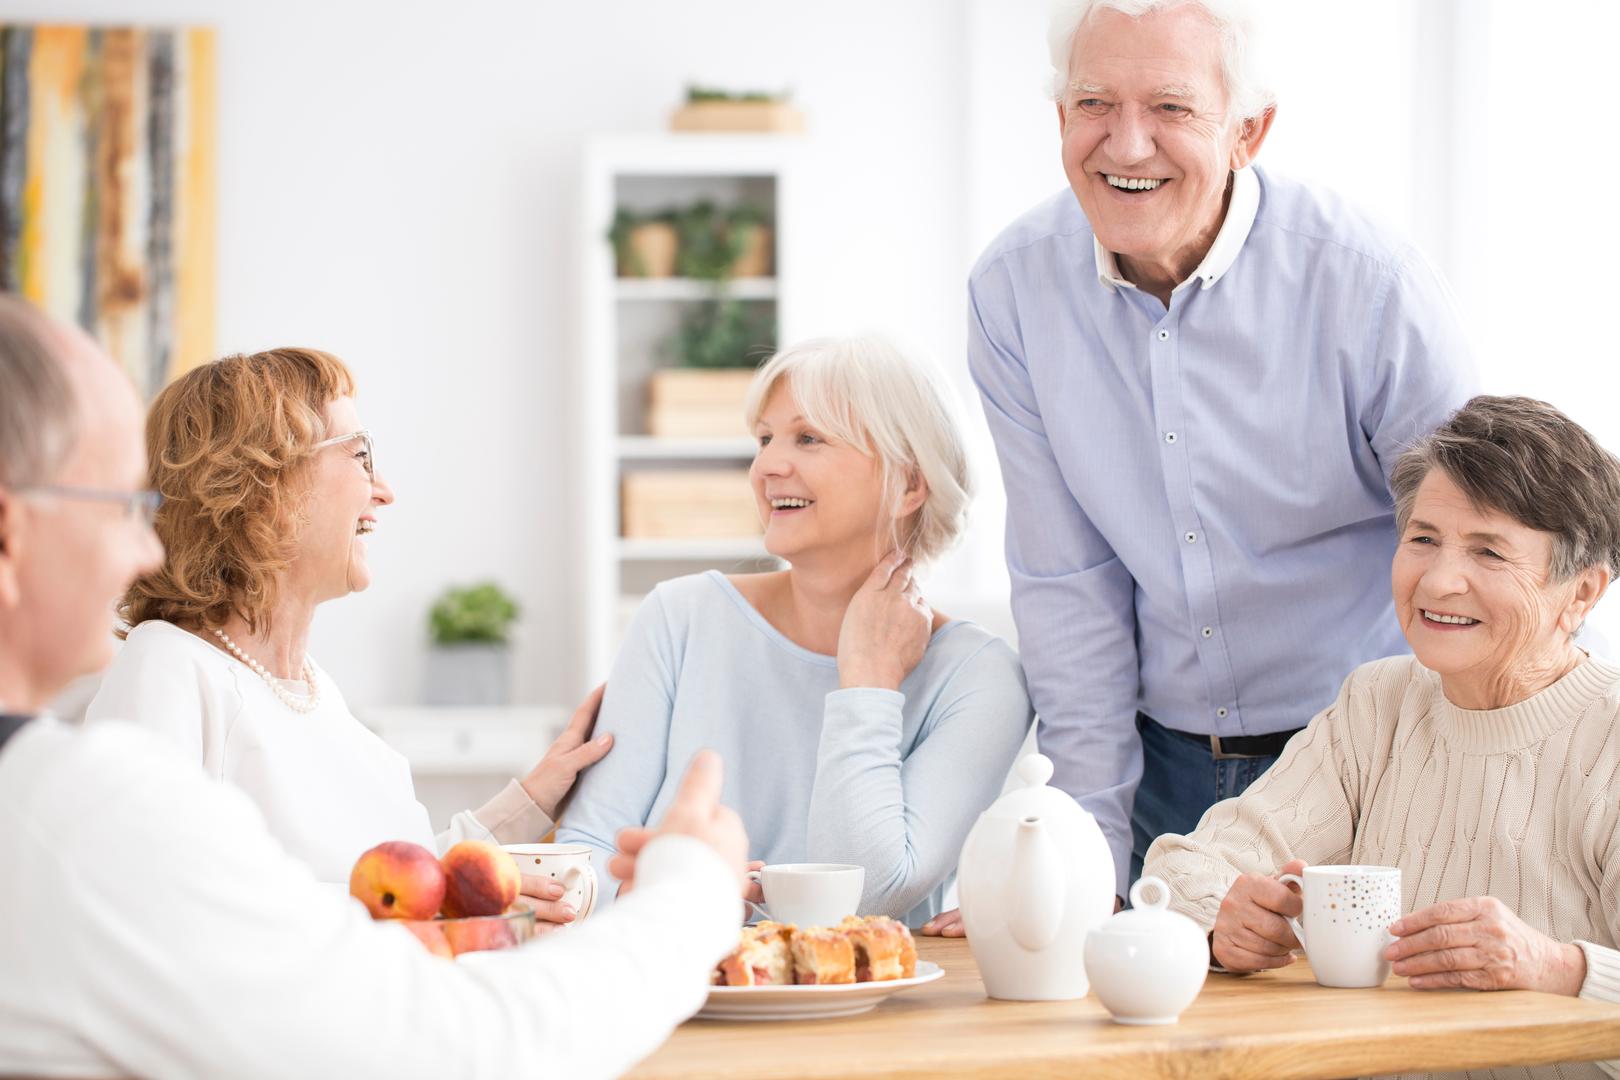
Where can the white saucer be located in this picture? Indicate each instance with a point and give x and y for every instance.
(807, 1002)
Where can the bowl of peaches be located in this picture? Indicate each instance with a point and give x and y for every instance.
(464, 902)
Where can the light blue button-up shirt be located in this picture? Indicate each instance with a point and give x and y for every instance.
(1199, 523)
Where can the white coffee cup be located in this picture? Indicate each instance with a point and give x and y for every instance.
(811, 894)
(1348, 910)
(569, 864)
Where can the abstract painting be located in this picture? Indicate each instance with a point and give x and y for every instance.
(107, 212)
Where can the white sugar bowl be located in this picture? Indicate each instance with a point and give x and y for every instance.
(1147, 964)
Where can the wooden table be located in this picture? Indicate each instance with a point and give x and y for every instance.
(1279, 1024)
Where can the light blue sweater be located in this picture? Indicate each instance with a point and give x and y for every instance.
(888, 780)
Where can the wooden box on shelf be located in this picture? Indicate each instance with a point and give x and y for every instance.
(757, 259)
(766, 116)
(697, 403)
(651, 250)
(688, 504)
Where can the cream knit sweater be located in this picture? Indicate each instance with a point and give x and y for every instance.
(1521, 803)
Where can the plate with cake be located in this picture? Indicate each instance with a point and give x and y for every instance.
(782, 972)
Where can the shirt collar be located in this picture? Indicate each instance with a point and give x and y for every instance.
(1240, 211)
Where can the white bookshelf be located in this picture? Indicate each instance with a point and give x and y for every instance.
(648, 448)
(624, 321)
(718, 550)
(642, 289)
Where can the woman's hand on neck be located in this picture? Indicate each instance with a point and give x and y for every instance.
(886, 628)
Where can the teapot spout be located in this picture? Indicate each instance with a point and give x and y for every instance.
(1036, 891)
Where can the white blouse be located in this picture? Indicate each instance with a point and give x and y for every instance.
(328, 787)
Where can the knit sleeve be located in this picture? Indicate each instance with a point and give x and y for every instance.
(1603, 960)
(1303, 807)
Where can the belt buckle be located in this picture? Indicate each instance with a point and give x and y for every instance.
(1221, 755)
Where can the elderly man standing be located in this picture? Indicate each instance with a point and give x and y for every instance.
(1198, 376)
(150, 925)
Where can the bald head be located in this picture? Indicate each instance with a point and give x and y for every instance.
(38, 411)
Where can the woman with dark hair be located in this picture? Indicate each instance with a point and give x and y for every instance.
(1486, 765)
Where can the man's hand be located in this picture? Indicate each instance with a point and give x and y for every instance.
(1480, 944)
(1251, 930)
(945, 924)
(549, 782)
(696, 812)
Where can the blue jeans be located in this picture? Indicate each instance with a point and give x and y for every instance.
(1180, 780)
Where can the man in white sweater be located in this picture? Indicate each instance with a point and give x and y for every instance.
(150, 926)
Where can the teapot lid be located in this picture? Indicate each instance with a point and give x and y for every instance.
(1146, 916)
(1031, 797)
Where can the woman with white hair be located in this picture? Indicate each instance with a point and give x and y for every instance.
(857, 724)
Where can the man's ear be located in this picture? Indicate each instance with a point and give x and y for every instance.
(1250, 137)
(11, 545)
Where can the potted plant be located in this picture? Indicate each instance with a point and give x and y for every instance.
(721, 339)
(717, 245)
(711, 109)
(470, 659)
(644, 245)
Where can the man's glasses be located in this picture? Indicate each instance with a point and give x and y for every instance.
(368, 456)
(141, 506)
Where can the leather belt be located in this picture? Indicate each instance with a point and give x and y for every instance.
(1230, 747)
(1249, 746)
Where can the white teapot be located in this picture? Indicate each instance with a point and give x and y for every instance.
(1036, 875)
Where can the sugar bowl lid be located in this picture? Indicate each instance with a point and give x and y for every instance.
(1147, 916)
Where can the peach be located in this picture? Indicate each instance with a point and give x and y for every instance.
(398, 880)
(480, 879)
(431, 935)
(479, 935)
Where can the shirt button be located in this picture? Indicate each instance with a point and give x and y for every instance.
(1164, 335)
(1221, 712)
(1169, 436)
(1191, 538)
(1209, 631)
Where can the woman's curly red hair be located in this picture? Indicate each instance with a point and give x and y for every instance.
(227, 444)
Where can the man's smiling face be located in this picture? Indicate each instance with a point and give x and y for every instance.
(1148, 142)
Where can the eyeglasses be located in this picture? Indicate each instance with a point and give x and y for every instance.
(368, 456)
(141, 506)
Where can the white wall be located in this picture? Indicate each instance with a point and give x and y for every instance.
(397, 184)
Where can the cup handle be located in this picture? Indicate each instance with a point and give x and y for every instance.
(755, 911)
(1293, 924)
(585, 878)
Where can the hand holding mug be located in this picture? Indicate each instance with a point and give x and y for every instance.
(886, 627)
(1480, 944)
(552, 778)
(1251, 929)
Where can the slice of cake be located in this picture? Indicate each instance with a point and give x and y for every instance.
(883, 948)
(823, 956)
(763, 957)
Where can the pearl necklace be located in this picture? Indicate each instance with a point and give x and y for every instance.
(292, 701)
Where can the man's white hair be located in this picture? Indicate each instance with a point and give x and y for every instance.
(867, 393)
(1249, 91)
